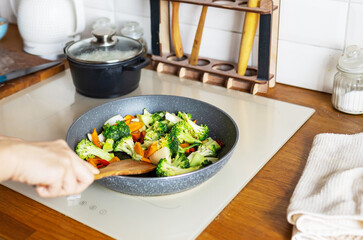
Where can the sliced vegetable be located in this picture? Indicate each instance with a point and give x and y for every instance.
(144, 159)
(134, 126)
(92, 162)
(108, 145)
(152, 148)
(114, 119)
(95, 139)
(128, 119)
(136, 136)
(163, 152)
(97, 162)
(138, 149)
(114, 159)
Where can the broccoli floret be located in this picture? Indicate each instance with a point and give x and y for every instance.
(160, 127)
(108, 145)
(181, 131)
(207, 151)
(157, 130)
(196, 159)
(185, 116)
(86, 149)
(209, 148)
(170, 141)
(126, 145)
(210, 142)
(117, 131)
(198, 131)
(165, 169)
(180, 161)
(151, 136)
(158, 116)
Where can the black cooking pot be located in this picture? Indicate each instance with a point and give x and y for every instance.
(106, 66)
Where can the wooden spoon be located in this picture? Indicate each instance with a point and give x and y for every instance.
(198, 37)
(175, 31)
(248, 36)
(125, 167)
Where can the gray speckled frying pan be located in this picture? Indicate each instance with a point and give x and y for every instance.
(221, 125)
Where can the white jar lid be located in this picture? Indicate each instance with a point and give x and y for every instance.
(352, 60)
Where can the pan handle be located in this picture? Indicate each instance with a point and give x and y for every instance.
(143, 63)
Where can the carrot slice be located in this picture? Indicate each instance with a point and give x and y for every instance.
(134, 126)
(184, 145)
(114, 159)
(152, 148)
(144, 159)
(136, 136)
(97, 162)
(92, 162)
(128, 118)
(138, 149)
(95, 138)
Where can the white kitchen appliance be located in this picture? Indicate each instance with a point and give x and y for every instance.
(47, 25)
(52, 105)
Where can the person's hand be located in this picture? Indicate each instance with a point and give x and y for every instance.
(52, 167)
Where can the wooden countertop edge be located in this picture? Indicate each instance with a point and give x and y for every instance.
(16, 85)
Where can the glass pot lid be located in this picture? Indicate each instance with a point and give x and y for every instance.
(104, 47)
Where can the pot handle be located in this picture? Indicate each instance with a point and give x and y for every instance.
(144, 62)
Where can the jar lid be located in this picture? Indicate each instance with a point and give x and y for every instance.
(132, 30)
(104, 47)
(352, 60)
(103, 22)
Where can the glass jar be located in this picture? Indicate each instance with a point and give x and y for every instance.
(102, 23)
(348, 82)
(134, 30)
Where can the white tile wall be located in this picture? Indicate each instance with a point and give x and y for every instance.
(312, 33)
(355, 24)
(221, 36)
(306, 66)
(314, 22)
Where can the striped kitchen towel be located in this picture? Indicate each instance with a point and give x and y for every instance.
(328, 200)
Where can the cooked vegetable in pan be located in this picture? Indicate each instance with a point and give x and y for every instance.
(176, 143)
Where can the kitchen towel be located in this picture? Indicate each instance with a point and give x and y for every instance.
(328, 200)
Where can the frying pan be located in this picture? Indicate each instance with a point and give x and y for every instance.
(221, 125)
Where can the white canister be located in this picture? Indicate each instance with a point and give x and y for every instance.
(348, 82)
(47, 25)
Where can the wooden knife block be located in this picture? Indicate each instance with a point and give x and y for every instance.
(213, 71)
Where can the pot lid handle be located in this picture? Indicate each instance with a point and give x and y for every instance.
(104, 37)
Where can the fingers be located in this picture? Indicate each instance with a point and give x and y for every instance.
(59, 171)
(84, 175)
(68, 184)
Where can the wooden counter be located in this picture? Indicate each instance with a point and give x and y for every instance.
(257, 212)
(14, 58)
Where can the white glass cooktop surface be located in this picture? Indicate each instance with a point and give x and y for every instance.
(46, 110)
